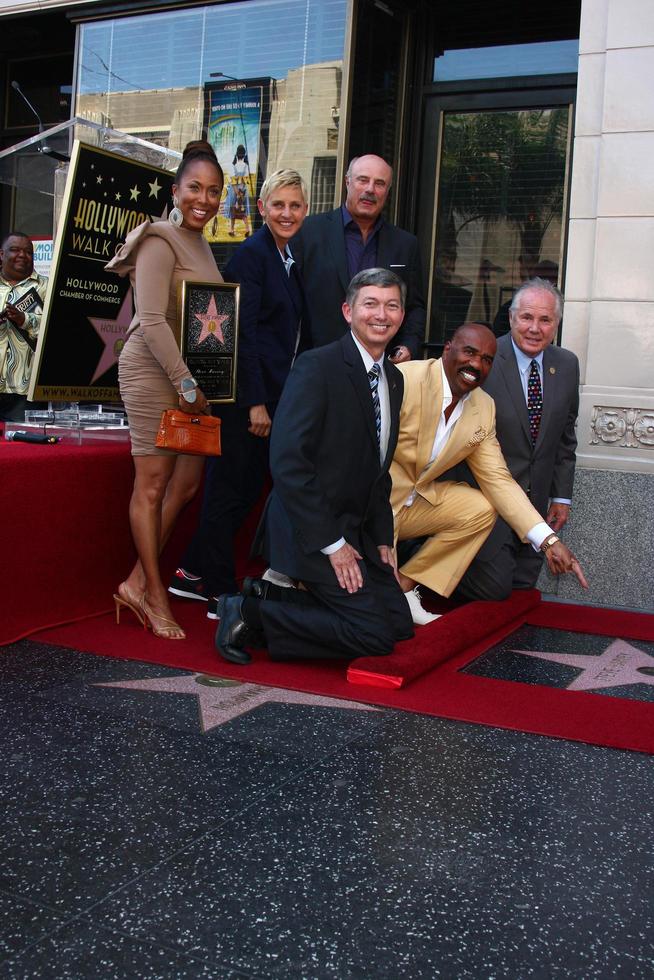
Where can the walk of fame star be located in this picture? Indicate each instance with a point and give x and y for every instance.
(620, 664)
(221, 700)
(112, 333)
(212, 322)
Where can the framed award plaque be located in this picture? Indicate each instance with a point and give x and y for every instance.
(208, 336)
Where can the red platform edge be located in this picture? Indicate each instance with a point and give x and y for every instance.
(439, 642)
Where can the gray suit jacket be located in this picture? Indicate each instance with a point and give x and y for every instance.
(319, 250)
(546, 469)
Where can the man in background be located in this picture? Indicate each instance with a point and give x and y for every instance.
(22, 294)
(333, 247)
(535, 387)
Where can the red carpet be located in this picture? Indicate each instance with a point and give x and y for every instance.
(65, 533)
(442, 691)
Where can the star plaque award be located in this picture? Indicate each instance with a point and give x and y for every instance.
(208, 336)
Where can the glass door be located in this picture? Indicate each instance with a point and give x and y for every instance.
(496, 214)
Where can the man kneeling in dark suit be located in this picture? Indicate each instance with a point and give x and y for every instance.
(329, 523)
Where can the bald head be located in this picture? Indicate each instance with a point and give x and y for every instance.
(16, 257)
(368, 181)
(468, 358)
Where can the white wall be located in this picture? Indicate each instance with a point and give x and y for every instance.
(609, 286)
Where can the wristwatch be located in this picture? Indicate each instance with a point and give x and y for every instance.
(188, 391)
(548, 542)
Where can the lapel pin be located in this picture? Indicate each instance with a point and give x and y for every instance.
(552, 370)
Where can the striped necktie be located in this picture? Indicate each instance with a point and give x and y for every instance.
(373, 380)
(534, 401)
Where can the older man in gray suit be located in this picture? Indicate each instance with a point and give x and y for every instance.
(536, 391)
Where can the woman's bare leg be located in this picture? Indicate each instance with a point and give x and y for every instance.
(181, 488)
(153, 474)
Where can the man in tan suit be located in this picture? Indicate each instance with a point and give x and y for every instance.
(446, 418)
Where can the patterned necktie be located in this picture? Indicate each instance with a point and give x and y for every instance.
(373, 380)
(534, 401)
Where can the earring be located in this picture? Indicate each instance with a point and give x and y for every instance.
(175, 217)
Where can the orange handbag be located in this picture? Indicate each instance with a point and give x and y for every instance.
(197, 435)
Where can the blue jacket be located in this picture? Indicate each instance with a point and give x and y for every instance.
(272, 308)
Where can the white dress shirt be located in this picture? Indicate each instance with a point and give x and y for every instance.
(445, 426)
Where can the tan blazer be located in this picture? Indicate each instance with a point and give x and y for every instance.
(472, 439)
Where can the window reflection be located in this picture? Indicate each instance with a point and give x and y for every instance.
(150, 76)
(504, 60)
(500, 212)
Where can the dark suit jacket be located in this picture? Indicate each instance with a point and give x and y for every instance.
(319, 249)
(272, 304)
(548, 468)
(328, 482)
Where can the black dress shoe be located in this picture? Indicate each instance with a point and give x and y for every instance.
(258, 588)
(255, 588)
(232, 634)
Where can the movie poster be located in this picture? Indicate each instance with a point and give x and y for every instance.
(236, 113)
(87, 310)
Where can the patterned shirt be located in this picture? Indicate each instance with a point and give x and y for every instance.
(16, 346)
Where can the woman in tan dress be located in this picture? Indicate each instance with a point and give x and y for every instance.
(153, 376)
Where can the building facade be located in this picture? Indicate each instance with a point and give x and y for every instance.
(518, 147)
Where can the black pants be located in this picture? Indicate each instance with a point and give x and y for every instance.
(503, 564)
(233, 484)
(339, 624)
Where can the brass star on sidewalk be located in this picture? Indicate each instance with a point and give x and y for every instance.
(220, 700)
(619, 665)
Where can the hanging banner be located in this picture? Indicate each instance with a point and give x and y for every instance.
(237, 114)
(87, 310)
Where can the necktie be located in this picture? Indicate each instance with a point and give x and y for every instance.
(534, 401)
(373, 380)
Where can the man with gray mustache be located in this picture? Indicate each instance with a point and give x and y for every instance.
(331, 248)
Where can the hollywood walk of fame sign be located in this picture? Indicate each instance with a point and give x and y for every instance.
(220, 700)
(208, 335)
(87, 311)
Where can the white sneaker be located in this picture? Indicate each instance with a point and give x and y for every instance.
(278, 578)
(419, 615)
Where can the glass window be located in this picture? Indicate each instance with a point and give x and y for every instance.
(507, 60)
(376, 90)
(263, 78)
(323, 177)
(500, 212)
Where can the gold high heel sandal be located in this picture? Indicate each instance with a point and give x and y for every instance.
(120, 600)
(165, 631)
